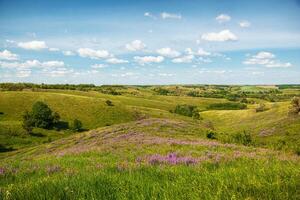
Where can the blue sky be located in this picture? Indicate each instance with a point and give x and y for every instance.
(150, 42)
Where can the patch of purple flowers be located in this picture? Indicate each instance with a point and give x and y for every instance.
(2, 171)
(172, 159)
(53, 169)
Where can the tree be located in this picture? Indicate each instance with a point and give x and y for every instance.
(56, 118)
(42, 115)
(261, 107)
(77, 125)
(27, 122)
(109, 103)
(295, 106)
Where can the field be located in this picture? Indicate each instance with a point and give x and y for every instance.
(142, 148)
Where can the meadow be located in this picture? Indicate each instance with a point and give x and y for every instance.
(233, 142)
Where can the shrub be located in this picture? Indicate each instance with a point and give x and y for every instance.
(77, 125)
(243, 138)
(261, 107)
(295, 106)
(109, 103)
(28, 122)
(211, 135)
(41, 116)
(227, 106)
(196, 114)
(186, 110)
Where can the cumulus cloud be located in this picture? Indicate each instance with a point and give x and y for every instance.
(223, 18)
(148, 14)
(33, 45)
(7, 55)
(53, 49)
(222, 36)
(68, 53)
(32, 64)
(93, 54)
(168, 52)
(59, 72)
(148, 59)
(200, 52)
(244, 24)
(166, 15)
(98, 66)
(23, 73)
(183, 59)
(266, 59)
(135, 45)
(116, 61)
(165, 74)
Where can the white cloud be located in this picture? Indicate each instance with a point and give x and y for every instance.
(165, 74)
(93, 54)
(68, 53)
(168, 52)
(166, 15)
(32, 64)
(244, 24)
(98, 66)
(59, 72)
(7, 55)
(184, 59)
(222, 36)
(135, 45)
(116, 61)
(223, 18)
(148, 14)
(266, 59)
(148, 59)
(53, 49)
(23, 73)
(33, 45)
(200, 52)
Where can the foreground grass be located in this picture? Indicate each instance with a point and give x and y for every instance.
(113, 163)
(240, 179)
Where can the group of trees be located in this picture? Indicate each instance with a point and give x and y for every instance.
(187, 110)
(295, 106)
(41, 116)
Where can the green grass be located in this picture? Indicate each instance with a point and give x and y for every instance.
(113, 162)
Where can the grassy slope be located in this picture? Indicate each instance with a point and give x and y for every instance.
(270, 127)
(113, 163)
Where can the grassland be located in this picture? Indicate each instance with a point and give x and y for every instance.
(138, 149)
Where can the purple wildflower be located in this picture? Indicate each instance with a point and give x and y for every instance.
(2, 171)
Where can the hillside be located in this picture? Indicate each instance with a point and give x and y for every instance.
(148, 158)
(140, 148)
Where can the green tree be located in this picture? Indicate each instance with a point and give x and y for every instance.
(77, 125)
(295, 106)
(27, 122)
(42, 115)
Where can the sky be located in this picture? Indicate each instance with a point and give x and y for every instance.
(142, 42)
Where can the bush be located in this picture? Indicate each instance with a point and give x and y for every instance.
(211, 135)
(261, 107)
(109, 103)
(28, 122)
(41, 116)
(227, 106)
(295, 106)
(77, 125)
(243, 138)
(186, 110)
